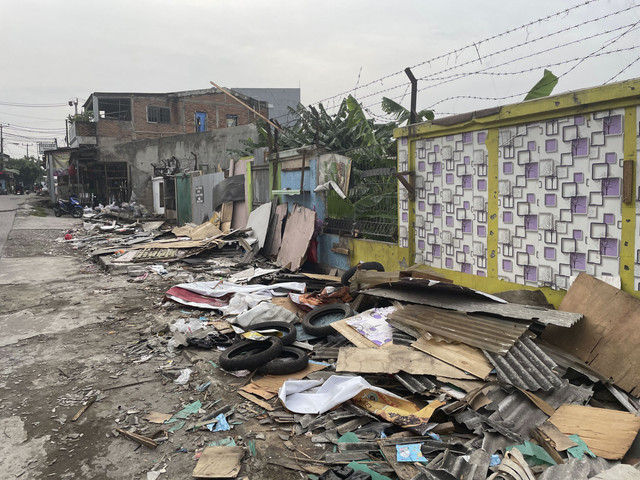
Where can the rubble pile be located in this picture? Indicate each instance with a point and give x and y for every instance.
(374, 374)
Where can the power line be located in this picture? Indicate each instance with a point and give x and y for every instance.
(621, 71)
(33, 105)
(473, 45)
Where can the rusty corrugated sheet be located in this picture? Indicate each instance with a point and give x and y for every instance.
(526, 366)
(493, 334)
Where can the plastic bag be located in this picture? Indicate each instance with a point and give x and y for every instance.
(185, 374)
(187, 325)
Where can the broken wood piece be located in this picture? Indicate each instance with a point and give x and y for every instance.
(219, 462)
(607, 433)
(84, 408)
(351, 334)
(547, 444)
(256, 400)
(141, 439)
(607, 337)
(394, 359)
(558, 439)
(459, 355)
(130, 384)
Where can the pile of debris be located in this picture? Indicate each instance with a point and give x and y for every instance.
(379, 374)
(418, 378)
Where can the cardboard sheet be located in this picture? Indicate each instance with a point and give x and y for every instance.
(608, 336)
(297, 235)
(272, 383)
(394, 359)
(459, 355)
(608, 433)
(219, 462)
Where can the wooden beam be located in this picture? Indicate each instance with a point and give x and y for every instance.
(247, 106)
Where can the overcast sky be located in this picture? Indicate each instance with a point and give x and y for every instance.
(54, 51)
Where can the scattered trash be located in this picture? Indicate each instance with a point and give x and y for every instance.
(184, 376)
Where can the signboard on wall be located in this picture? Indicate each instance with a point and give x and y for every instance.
(199, 194)
(43, 146)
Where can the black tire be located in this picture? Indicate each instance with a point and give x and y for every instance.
(57, 212)
(288, 330)
(316, 316)
(250, 354)
(290, 360)
(346, 276)
(77, 212)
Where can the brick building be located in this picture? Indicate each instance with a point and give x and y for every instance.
(125, 117)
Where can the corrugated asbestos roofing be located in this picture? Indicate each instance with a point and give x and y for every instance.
(493, 334)
(454, 297)
(527, 367)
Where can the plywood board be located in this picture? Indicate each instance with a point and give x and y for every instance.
(350, 334)
(607, 433)
(219, 462)
(459, 355)
(297, 235)
(393, 360)
(608, 336)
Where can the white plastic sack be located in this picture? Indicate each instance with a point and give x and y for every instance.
(302, 396)
(265, 312)
(185, 374)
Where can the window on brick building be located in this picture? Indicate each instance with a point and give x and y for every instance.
(232, 120)
(115, 108)
(158, 114)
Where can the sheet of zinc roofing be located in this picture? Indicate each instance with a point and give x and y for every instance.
(493, 334)
(526, 366)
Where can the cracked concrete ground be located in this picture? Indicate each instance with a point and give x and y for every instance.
(69, 331)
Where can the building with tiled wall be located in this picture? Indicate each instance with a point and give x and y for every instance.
(528, 195)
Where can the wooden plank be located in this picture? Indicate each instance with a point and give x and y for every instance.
(392, 360)
(608, 336)
(292, 465)
(219, 462)
(141, 439)
(256, 400)
(297, 235)
(459, 355)
(607, 433)
(157, 417)
(558, 439)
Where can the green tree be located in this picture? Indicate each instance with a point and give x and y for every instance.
(30, 169)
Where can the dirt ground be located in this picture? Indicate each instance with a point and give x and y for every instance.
(45, 378)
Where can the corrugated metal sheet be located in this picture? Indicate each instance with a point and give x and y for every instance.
(526, 366)
(454, 297)
(415, 383)
(574, 469)
(475, 468)
(493, 334)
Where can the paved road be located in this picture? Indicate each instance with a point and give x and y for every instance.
(8, 206)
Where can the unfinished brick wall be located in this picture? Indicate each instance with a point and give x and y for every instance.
(183, 108)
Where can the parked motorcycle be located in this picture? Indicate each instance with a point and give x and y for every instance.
(72, 207)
